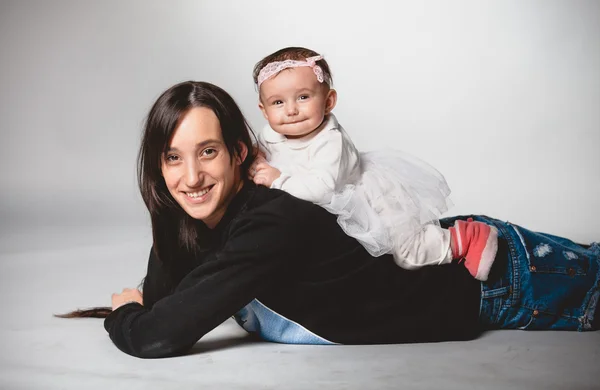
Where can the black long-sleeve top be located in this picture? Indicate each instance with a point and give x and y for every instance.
(293, 257)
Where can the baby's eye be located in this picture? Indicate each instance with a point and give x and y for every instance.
(303, 97)
(277, 102)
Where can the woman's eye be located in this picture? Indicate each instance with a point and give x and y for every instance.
(209, 152)
(172, 158)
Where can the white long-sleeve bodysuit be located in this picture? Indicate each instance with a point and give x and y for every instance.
(364, 191)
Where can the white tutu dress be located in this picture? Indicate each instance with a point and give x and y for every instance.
(381, 198)
(395, 197)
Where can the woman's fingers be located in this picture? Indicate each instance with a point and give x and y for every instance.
(128, 295)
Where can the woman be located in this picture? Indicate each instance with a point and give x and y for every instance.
(224, 246)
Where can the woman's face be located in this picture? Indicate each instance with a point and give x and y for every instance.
(198, 169)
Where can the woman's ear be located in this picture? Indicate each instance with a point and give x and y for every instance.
(330, 101)
(242, 153)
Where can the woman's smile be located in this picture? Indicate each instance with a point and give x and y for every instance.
(199, 196)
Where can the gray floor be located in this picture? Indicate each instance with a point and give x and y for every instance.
(41, 274)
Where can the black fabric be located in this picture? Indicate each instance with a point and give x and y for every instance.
(294, 258)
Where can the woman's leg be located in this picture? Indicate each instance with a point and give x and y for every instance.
(540, 281)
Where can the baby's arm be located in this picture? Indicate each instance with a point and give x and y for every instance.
(323, 170)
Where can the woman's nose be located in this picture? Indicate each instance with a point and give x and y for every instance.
(192, 174)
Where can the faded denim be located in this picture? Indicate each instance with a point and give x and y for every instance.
(539, 281)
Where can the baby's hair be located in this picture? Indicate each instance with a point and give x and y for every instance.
(296, 54)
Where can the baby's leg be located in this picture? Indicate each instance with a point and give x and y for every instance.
(476, 243)
(429, 246)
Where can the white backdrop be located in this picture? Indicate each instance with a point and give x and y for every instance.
(503, 97)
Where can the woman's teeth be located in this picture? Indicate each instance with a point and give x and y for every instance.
(197, 194)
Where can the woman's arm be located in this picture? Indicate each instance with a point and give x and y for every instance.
(260, 251)
(158, 282)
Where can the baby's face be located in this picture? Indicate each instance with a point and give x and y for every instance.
(294, 102)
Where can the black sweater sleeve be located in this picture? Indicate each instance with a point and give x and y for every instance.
(158, 282)
(256, 254)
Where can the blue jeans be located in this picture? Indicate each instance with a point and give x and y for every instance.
(539, 281)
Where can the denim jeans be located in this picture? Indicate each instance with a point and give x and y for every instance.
(258, 319)
(539, 281)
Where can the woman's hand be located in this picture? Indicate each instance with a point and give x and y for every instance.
(127, 296)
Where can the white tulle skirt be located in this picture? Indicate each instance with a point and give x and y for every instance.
(396, 196)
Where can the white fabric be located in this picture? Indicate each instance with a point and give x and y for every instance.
(388, 200)
(429, 246)
(315, 169)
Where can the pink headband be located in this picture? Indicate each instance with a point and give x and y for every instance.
(272, 68)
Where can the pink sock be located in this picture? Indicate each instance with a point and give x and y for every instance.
(477, 243)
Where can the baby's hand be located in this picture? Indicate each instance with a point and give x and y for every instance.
(262, 173)
(261, 154)
(260, 158)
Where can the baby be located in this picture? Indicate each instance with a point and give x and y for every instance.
(388, 200)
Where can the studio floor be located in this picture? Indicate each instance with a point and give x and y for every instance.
(42, 273)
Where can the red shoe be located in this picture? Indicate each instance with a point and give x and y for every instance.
(477, 244)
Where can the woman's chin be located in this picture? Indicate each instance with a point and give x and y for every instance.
(197, 210)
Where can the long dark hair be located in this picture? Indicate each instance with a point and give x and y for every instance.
(175, 234)
(171, 226)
